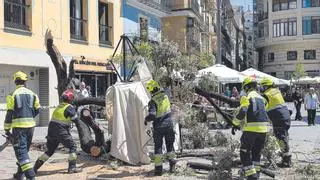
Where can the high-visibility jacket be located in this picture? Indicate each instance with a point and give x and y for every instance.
(59, 114)
(162, 102)
(277, 110)
(160, 109)
(253, 112)
(22, 107)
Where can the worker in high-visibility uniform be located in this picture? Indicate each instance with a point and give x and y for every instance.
(252, 114)
(160, 114)
(279, 115)
(59, 132)
(22, 108)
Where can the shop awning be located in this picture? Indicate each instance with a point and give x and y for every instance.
(24, 57)
(259, 75)
(223, 74)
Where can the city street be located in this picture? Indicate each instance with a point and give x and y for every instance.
(304, 140)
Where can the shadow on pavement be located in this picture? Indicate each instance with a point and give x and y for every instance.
(124, 174)
(46, 173)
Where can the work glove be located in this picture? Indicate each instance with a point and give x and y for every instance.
(234, 129)
(7, 133)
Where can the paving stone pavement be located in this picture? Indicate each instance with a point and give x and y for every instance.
(305, 145)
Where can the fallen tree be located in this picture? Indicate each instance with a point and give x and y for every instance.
(67, 81)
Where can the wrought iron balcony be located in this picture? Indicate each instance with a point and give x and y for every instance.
(15, 15)
(163, 5)
(77, 28)
(104, 34)
(191, 4)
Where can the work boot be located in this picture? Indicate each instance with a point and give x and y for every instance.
(253, 177)
(158, 171)
(286, 162)
(37, 165)
(72, 167)
(19, 175)
(172, 164)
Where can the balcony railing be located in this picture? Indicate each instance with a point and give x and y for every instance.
(77, 28)
(15, 15)
(164, 5)
(191, 4)
(104, 34)
(262, 16)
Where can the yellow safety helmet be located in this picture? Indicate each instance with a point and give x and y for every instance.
(20, 76)
(247, 81)
(152, 85)
(266, 82)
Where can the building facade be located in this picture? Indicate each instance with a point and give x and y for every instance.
(190, 23)
(288, 33)
(251, 54)
(142, 18)
(83, 30)
(238, 37)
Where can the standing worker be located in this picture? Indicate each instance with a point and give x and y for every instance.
(280, 117)
(22, 108)
(160, 114)
(252, 111)
(59, 132)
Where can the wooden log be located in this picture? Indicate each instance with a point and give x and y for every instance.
(199, 165)
(209, 167)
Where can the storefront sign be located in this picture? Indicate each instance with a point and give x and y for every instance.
(93, 63)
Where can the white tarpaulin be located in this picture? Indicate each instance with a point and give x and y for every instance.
(223, 74)
(126, 108)
(259, 75)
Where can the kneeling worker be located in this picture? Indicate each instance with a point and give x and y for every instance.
(160, 114)
(59, 132)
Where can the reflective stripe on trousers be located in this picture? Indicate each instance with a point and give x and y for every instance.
(249, 170)
(257, 166)
(158, 159)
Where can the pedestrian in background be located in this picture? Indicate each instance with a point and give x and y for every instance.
(83, 90)
(22, 108)
(311, 103)
(235, 93)
(297, 99)
(227, 92)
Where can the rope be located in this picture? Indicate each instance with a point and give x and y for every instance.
(42, 108)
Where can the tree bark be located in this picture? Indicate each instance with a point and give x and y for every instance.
(90, 100)
(65, 80)
(217, 96)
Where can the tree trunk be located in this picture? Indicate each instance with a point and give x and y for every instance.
(90, 100)
(217, 96)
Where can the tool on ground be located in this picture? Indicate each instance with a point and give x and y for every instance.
(5, 144)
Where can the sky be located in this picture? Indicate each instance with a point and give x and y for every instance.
(243, 3)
